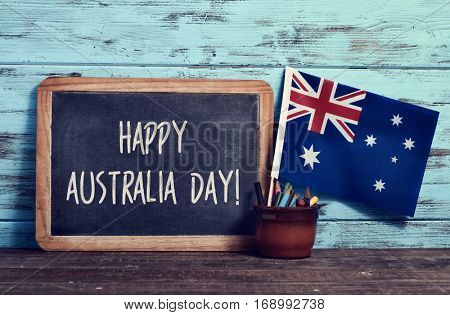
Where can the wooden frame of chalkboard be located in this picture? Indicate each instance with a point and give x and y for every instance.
(44, 236)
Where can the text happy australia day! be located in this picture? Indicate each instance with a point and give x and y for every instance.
(136, 186)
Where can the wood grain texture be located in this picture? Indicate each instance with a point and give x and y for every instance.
(380, 33)
(44, 237)
(330, 234)
(404, 47)
(338, 271)
(43, 165)
(430, 227)
(423, 87)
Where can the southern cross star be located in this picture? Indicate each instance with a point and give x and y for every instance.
(394, 159)
(396, 120)
(310, 156)
(370, 140)
(379, 185)
(409, 144)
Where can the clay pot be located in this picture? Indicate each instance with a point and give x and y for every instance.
(285, 232)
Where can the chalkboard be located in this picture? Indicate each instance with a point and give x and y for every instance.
(150, 164)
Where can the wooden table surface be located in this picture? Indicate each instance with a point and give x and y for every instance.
(330, 271)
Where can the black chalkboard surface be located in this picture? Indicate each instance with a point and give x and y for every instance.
(146, 164)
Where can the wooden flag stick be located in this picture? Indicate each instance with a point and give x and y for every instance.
(269, 198)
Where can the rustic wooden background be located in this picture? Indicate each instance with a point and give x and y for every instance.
(395, 48)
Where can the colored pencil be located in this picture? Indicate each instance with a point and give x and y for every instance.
(284, 198)
(307, 197)
(259, 194)
(313, 201)
(281, 194)
(291, 196)
(294, 200)
(300, 202)
(277, 193)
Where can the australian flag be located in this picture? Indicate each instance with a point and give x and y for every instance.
(352, 144)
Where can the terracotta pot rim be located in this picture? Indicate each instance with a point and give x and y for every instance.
(262, 208)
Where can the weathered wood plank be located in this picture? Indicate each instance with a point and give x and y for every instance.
(162, 271)
(326, 271)
(17, 187)
(216, 287)
(17, 234)
(422, 87)
(17, 192)
(35, 258)
(18, 106)
(230, 33)
(378, 34)
(330, 234)
(205, 275)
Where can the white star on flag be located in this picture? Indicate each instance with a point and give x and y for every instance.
(396, 120)
(370, 140)
(394, 159)
(409, 144)
(310, 156)
(379, 185)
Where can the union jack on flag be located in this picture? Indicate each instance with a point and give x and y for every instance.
(324, 106)
(352, 144)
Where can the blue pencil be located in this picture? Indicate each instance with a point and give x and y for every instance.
(294, 201)
(284, 199)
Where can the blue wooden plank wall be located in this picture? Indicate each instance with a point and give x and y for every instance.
(400, 49)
